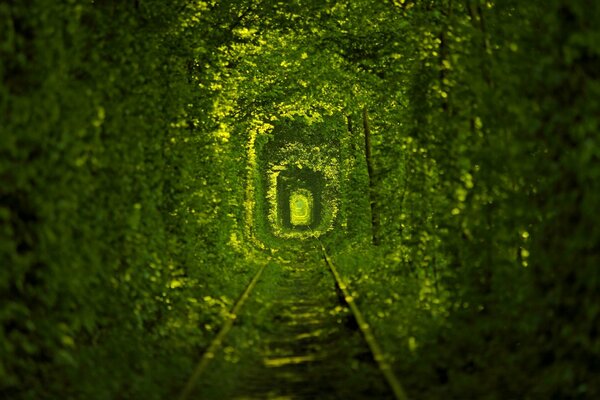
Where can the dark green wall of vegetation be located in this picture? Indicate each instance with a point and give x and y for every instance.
(112, 208)
(129, 169)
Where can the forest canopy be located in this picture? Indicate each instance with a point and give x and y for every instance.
(154, 155)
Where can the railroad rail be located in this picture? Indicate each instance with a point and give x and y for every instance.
(365, 329)
(216, 343)
(346, 297)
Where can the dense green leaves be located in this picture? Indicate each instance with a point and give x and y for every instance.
(109, 202)
(471, 209)
(139, 146)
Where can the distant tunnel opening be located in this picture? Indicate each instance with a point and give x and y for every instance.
(301, 206)
(300, 185)
(298, 182)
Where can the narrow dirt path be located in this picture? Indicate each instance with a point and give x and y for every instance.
(299, 341)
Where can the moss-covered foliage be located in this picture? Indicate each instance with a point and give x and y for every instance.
(149, 149)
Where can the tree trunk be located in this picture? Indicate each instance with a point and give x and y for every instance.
(374, 212)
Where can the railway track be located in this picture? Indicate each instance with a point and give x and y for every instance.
(301, 336)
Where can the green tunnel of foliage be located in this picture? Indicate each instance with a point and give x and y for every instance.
(134, 185)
